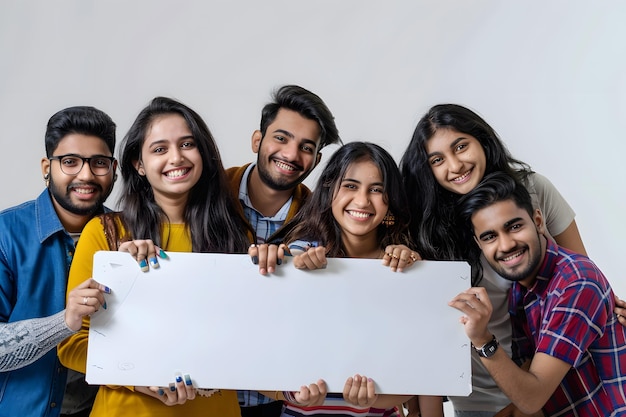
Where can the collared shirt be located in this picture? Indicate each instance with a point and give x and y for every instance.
(263, 226)
(35, 255)
(568, 314)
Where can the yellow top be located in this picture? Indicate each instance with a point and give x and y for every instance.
(123, 401)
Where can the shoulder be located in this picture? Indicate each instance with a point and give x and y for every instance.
(17, 212)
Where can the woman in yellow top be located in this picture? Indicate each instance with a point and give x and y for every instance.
(175, 198)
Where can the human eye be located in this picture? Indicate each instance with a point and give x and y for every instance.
(70, 161)
(461, 147)
(188, 144)
(100, 162)
(487, 237)
(377, 189)
(349, 185)
(280, 138)
(437, 160)
(516, 227)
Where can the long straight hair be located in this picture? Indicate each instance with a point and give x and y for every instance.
(210, 213)
(433, 225)
(315, 220)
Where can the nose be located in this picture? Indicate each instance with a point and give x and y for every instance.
(176, 156)
(289, 151)
(455, 164)
(505, 242)
(362, 198)
(85, 172)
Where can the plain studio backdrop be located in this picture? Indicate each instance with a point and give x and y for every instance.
(550, 77)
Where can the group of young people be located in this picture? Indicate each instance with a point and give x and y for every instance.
(458, 194)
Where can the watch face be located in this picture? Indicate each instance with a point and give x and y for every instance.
(489, 349)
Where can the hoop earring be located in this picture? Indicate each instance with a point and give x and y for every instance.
(389, 219)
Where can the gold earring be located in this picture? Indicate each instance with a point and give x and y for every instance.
(389, 219)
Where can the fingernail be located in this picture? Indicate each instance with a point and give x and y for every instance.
(179, 378)
(107, 290)
(187, 380)
(104, 305)
(255, 260)
(172, 387)
(279, 261)
(144, 265)
(324, 266)
(162, 254)
(161, 392)
(154, 263)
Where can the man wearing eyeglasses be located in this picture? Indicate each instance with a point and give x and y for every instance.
(37, 241)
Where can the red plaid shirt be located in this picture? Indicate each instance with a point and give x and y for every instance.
(568, 314)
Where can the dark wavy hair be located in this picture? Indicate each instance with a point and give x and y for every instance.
(84, 120)
(434, 226)
(315, 220)
(210, 212)
(308, 105)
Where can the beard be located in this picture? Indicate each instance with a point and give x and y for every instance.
(278, 184)
(521, 272)
(64, 198)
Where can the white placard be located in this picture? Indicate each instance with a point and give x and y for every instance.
(216, 318)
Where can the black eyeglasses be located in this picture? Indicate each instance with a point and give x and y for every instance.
(72, 164)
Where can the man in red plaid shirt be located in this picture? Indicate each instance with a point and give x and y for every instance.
(561, 306)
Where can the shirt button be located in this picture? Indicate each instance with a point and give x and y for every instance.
(53, 405)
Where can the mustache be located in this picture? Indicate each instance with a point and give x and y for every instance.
(95, 185)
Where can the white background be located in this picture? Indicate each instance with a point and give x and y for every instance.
(549, 76)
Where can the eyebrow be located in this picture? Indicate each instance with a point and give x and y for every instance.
(158, 141)
(359, 182)
(452, 145)
(506, 225)
(291, 136)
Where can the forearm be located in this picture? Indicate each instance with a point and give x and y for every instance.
(23, 342)
(522, 387)
(430, 406)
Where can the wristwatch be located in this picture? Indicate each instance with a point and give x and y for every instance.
(488, 349)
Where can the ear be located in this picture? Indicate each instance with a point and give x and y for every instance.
(256, 141)
(45, 166)
(538, 219)
(139, 167)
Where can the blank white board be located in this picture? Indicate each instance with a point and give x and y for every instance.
(216, 318)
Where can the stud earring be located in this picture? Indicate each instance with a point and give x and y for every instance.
(46, 178)
(389, 219)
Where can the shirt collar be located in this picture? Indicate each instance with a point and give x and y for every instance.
(46, 217)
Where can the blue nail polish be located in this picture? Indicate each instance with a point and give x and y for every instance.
(154, 263)
(255, 260)
(143, 265)
(161, 392)
(162, 254)
(104, 305)
(187, 380)
(179, 378)
(279, 261)
(172, 387)
(107, 290)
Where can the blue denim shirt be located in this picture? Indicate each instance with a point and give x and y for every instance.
(35, 256)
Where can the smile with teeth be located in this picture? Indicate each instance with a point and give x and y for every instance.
(513, 256)
(462, 177)
(284, 166)
(359, 214)
(84, 190)
(177, 173)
